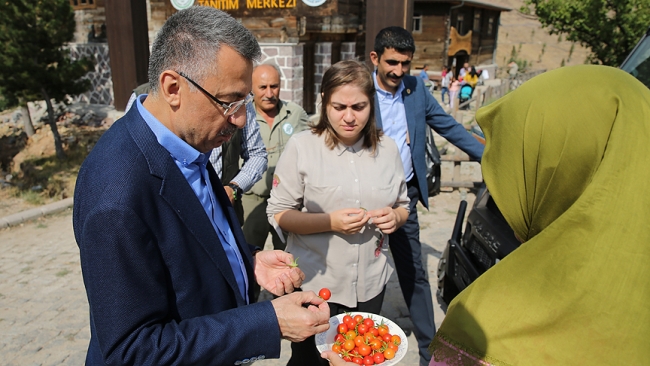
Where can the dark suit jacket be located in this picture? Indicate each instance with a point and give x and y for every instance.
(160, 288)
(422, 110)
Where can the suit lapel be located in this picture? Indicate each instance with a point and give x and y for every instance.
(410, 105)
(176, 191)
(377, 112)
(229, 211)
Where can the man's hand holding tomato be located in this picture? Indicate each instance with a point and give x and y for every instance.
(297, 323)
(274, 273)
(388, 219)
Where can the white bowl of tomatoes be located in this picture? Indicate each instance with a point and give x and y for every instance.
(363, 338)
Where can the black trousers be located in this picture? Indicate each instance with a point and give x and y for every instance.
(305, 353)
(413, 279)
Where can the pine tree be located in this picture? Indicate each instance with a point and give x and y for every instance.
(34, 65)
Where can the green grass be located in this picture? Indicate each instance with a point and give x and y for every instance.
(32, 197)
(62, 273)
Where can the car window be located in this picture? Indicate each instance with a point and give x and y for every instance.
(638, 62)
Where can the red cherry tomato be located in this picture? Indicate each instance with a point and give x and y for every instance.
(386, 337)
(396, 339)
(325, 293)
(336, 347)
(348, 345)
(368, 360)
(364, 349)
(378, 358)
(362, 329)
(368, 322)
(358, 318)
(347, 318)
(376, 344)
(339, 338)
(357, 360)
(359, 341)
(383, 329)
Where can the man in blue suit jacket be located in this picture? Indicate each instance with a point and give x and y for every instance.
(165, 264)
(406, 109)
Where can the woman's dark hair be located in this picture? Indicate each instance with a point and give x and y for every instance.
(473, 71)
(342, 73)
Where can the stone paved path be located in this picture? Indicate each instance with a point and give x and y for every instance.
(43, 306)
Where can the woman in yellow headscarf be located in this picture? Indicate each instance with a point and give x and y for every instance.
(566, 161)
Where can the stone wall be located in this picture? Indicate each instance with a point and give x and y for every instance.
(101, 90)
(288, 56)
(323, 60)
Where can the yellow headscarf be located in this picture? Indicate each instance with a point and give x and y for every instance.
(567, 161)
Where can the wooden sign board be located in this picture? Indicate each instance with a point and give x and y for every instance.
(297, 8)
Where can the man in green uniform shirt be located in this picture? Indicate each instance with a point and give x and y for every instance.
(278, 121)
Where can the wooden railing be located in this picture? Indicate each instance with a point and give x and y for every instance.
(494, 92)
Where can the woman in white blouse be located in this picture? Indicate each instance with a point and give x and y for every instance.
(338, 190)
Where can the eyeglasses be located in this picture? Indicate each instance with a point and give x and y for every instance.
(228, 108)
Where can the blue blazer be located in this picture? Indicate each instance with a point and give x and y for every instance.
(423, 110)
(160, 288)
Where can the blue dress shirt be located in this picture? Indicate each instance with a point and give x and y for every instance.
(193, 165)
(394, 124)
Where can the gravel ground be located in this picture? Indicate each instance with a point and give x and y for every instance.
(43, 306)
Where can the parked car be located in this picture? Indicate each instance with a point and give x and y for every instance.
(487, 239)
(637, 62)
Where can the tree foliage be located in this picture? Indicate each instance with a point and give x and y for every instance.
(609, 28)
(34, 65)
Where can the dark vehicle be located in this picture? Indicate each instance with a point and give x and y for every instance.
(487, 239)
(637, 62)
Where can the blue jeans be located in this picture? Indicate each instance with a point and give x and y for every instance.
(444, 90)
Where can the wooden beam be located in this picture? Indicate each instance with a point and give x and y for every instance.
(385, 13)
(128, 47)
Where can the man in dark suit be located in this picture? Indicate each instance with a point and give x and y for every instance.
(166, 267)
(406, 108)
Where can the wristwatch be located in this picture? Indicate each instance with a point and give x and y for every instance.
(236, 191)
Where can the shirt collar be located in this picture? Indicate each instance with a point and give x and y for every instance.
(178, 149)
(357, 148)
(386, 94)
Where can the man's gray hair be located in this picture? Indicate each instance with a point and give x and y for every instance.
(189, 41)
(270, 63)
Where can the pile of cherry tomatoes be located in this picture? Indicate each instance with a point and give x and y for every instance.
(363, 342)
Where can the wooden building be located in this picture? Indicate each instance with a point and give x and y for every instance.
(303, 37)
(451, 33)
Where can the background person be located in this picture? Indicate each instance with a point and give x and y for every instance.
(278, 120)
(405, 109)
(574, 191)
(425, 78)
(333, 195)
(248, 147)
(471, 78)
(164, 262)
(446, 80)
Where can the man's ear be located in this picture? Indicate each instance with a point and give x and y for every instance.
(374, 57)
(169, 82)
